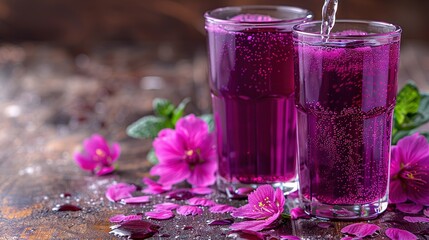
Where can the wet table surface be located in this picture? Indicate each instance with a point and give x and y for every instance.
(50, 101)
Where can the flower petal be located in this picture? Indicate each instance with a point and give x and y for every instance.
(154, 187)
(119, 191)
(399, 234)
(203, 174)
(413, 148)
(168, 146)
(246, 234)
(122, 218)
(189, 210)
(396, 192)
(289, 237)
(193, 129)
(416, 219)
(197, 201)
(115, 151)
(166, 206)
(426, 212)
(360, 229)
(95, 142)
(255, 225)
(411, 208)
(135, 200)
(105, 171)
(159, 214)
(296, 213)
(202, 190)
(84, 162)
(171, 173)
(221, 208)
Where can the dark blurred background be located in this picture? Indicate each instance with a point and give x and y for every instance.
(80, 25)
(100, 63)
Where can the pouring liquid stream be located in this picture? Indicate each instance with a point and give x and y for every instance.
(329, 11)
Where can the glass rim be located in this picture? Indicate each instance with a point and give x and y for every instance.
(395, 32)
(306, 15)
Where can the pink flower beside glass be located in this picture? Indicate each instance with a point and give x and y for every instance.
(98, 157)
(186, 153)
(409, 170)
(265, 207)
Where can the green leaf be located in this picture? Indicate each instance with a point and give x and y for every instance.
(162, 107)
(178, 112)
(147, 127)
(407, 104)
(151, 156)
(208, 118)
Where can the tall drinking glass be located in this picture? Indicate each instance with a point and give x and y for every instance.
(345, 89)
(252, 88)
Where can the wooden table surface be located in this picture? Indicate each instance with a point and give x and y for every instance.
(50, 101)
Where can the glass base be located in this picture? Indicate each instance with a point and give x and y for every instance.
(236, 189)
(345, 212)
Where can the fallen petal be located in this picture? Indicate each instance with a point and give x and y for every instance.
(324, 225)
(154, 187)
(293, 195)
(221, 208)
(289, 237)
(135, 229)
(159, 214)
(399, 234)
(189, 210)
(244, 190)
(105, 171)
(166, 206)
(197, 201)
(297, 213)
(135, 200)
(201, 190)
(119, 191)
(411, 208)
(360, 229)
(426, 212)
(180, 194)
(416, 219)
(123, 218)
(245, 234)
(221, 222)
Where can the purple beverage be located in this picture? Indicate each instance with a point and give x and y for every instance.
(345, 96)
(252, 87)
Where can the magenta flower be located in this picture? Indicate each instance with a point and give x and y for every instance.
(399, 234)
(426, 212)
(119, 191)
(265, 207)
(186, 153)
(360, 230)
(97, 157)
(409, 170)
